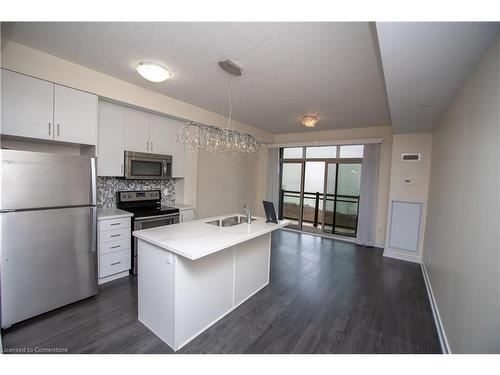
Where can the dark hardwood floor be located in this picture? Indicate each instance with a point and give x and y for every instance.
(325, 296)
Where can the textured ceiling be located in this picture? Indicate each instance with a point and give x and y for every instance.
(289, 69)
(425, 63)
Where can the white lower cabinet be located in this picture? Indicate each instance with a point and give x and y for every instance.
(113, 263)
(115, 235)
(186, 215)
(114, 248)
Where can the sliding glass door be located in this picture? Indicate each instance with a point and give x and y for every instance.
(320, 188)
(330, 201)
(342, 198)
(291, 196)
(312, 208)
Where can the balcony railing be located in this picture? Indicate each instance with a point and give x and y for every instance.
(345, 207)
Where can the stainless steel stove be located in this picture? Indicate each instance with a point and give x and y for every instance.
(148, 213)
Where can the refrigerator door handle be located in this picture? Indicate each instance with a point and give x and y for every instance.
(93, 182)
(93, 229)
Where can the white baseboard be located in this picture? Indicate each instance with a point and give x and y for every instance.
(443, 340)
(112, 277)
(402, 255)
(334, 237)
(324, 235)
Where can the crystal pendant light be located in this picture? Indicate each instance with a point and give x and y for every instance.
(211, 138)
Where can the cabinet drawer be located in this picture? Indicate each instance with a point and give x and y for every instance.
(110, 224)
(114, 235)
(187, 215)
(115, 262)
(111, 246)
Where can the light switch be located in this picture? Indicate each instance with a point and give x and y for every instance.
(169, 258)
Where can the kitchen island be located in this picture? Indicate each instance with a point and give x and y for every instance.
(192, 274)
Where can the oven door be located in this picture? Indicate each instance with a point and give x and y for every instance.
(154, 167)
(155, 221)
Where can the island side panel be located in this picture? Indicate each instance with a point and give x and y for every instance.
(204, 293)
(252, 261)
(156, 299)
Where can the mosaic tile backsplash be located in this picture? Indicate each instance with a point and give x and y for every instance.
(108, 186)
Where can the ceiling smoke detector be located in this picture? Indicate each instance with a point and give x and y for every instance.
(230, 67)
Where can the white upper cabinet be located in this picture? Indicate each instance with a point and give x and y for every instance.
(163, 140)
(177, 149)
(75, 116)
(125, 129)
(43, 110)
(27, 106)
(136, 130)
(110, 140)
(159, 135)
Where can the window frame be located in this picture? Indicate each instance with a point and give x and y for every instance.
(338, 159)
(302, 161)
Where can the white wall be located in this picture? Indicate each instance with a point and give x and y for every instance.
(462, 243)
(416, 171)
(383, 132)
(226, 184)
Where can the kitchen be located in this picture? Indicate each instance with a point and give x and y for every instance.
(128, 164)
(139, 158)
(152, 203)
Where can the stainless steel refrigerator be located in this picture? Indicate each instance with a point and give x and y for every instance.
(48, 229)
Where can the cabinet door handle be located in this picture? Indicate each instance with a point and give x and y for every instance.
(115, 235)
(112, 224)
(115, 263)
(115, 247)
(50, 126)
(151, 146)
(58, 130)
(147, 145)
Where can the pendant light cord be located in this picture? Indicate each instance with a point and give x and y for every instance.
(230, 106)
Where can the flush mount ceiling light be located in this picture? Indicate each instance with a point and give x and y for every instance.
(153, 72)
(309, 121)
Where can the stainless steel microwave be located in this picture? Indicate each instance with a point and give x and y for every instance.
(143, 166)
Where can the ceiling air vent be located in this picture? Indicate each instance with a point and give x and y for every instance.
(410, 157)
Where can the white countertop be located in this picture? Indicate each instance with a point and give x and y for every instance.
(182, 206)
(111, 213)
(196, 239)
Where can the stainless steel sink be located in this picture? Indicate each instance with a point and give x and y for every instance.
(229, 221)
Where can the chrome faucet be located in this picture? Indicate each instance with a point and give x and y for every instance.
(248, 213)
